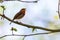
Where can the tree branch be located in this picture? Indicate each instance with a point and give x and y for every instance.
(29, 1)
(27, 35)
(30, 26)
(59, 8)
(25, 1)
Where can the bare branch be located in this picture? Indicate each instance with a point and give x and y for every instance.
(29, 1)
(59, 8)
(3, 36)
(24, 1)
(26, 35)
(30, 26)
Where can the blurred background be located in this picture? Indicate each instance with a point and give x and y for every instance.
(41, 14)
(19, 0)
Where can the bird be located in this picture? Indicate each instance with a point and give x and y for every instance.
(20, 14)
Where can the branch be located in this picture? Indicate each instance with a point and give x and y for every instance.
(59, 8)
(29, 1)
(30, 26)
(26, 1)
(26, 35)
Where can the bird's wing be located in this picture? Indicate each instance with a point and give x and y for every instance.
(15, 17)
(19, 14)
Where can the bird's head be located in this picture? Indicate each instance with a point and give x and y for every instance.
(23, 8)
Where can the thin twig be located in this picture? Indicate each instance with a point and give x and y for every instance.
(59, 8)
(3, 36)
(28, 1)
(12, 31)
(26, 35)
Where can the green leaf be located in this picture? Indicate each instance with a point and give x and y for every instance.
(13, 29)
(3, 7)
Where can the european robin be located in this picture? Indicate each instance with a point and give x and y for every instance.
(20, 14)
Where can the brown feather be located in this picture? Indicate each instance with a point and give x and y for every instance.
(20, 14)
